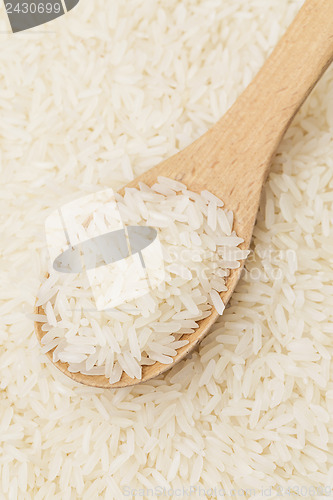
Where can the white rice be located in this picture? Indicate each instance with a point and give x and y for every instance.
(158, 75)
(191, 281)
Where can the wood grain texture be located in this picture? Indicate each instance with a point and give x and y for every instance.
(232, 159)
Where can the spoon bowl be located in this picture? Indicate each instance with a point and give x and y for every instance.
(232, 159)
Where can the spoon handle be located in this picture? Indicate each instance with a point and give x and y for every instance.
(269, 103)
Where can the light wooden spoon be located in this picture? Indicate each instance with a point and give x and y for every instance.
(231, 160)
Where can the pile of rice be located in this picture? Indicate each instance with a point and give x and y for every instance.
(156, 303)
(114, 88)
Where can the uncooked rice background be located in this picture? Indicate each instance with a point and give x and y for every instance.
(90, 101)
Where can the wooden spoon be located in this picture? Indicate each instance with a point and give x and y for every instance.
(231, 160)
